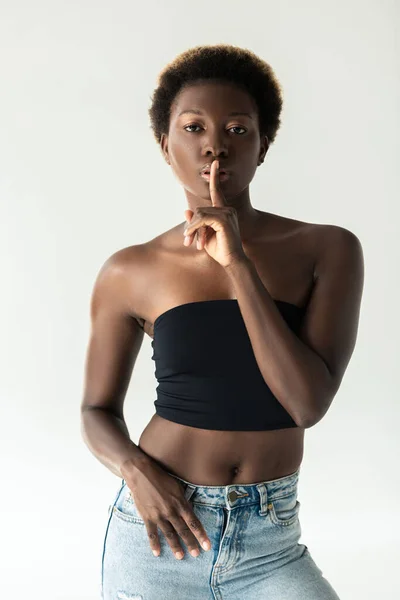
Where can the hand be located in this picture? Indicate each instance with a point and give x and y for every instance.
(160, 501)
(216, 226)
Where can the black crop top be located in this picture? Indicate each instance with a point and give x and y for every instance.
(207, 373)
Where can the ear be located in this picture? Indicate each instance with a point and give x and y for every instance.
(164, 146)
(264, 145)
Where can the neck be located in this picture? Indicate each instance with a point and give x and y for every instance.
(248, 216)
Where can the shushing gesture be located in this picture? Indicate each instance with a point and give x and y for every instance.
(217, 226)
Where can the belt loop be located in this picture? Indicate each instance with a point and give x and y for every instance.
(262, 490)
(189, 490)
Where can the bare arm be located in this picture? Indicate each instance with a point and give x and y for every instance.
(114, 344)
(107, 437)
(115, 341)
(304, 372)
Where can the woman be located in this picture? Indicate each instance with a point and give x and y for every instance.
(254, 319)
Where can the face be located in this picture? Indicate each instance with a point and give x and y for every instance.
(202, 129)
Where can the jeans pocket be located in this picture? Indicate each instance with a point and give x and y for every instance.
(125, 507)
(284, 510)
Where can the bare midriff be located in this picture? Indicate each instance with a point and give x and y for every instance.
(284, 256)
(209, 457)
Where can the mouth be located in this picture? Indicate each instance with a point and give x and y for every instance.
(206, 169)
(223, 175)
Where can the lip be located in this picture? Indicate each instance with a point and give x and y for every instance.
(222, 177)
(207, 167)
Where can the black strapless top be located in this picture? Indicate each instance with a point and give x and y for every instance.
(207, 373)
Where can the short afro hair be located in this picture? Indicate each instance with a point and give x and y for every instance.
(223, 63)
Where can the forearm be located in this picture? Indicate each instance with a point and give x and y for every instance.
(297, 377)
(107, 437)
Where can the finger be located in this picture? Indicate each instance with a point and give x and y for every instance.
(154, 540)
(186, 534)
(217, 197)
(201, 237)
(188, 239)
(195, 234)
(172, 537)
(196, 527)
(207, 221)
(189, 214)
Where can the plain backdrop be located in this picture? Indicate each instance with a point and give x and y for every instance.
(81, 177)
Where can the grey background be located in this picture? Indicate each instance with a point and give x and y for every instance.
(81, 177)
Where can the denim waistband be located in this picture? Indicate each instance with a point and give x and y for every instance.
(234, 495)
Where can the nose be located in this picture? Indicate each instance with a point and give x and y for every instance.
(215, 146)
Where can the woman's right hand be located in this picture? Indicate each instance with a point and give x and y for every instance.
(160, 501)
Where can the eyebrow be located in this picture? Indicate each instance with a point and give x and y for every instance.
(199, 112)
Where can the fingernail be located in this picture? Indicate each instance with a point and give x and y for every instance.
(179, 554)
(206, 545)
(155, 552)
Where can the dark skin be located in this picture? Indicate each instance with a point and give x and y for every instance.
(186, 149)
(243, 253)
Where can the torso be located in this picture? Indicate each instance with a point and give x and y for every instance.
(284, 253)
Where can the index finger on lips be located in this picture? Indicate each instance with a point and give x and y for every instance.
(215, 187)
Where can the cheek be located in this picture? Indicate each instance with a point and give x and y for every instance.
(183, 158)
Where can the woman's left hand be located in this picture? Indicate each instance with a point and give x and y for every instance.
(217, 226)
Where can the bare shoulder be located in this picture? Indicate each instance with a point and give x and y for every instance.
(321, 246)
(130, 273)
(124, 275)
(118, 266)
(279, 227)
(337, 232)
(320, 235)
(123, 259)
(341, 261)
(336, 240)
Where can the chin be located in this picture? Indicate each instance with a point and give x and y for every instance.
(205, 193)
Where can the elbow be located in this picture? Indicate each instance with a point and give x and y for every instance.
(316, 411)
(309, 421)
(311, 417)
(308, 413)
(317, 404)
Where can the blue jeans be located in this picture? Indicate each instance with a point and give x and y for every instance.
(255, 555)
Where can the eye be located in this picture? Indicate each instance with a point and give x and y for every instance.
(238, 127)
(234, 127)
(185, 128)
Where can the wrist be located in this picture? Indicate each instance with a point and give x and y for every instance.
(237, 265)
(134, 466)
